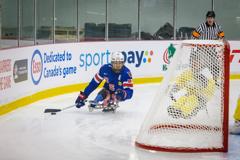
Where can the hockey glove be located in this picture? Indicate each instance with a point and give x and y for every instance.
(80, 100)
(121, 95)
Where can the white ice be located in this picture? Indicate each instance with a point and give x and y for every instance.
(76, 134)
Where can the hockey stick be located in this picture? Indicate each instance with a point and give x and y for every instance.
(54, 111)
(48, 110)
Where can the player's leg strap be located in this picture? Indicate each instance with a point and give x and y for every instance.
(102, 94)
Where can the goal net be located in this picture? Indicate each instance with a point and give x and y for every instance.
(190, 110)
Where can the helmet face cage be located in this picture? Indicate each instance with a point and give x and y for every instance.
(117, 61)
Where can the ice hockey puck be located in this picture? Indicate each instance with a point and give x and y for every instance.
(53, 113)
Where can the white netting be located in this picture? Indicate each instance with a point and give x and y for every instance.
(187, 112)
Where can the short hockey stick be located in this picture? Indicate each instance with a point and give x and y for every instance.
(49, 110)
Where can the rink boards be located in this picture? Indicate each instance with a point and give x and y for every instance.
(32, 73)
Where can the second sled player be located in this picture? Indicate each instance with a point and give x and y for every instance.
(118, 83)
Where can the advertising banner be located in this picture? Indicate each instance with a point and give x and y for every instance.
(28, 70)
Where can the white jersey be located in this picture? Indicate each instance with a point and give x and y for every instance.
(207, 32)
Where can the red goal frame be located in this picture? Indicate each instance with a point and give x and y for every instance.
(225, 118)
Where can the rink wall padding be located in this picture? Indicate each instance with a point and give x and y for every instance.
(29, 74)
(59, 91)
(39, 96)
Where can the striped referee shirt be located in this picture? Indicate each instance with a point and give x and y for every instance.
(205, 31)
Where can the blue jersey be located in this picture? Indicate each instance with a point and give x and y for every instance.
(113, 81)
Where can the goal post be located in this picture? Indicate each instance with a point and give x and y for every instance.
(190, 110)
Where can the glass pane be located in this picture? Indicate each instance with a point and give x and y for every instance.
(27, 23)
(8, 23)
(230, 18)
(44, 21)
(122, 19)
(92, 17)
(190, 13)
(66, 21)
(156, 19)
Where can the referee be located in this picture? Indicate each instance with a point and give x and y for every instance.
(199, 59)
(208, 30)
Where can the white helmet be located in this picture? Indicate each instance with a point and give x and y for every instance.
(117, 57)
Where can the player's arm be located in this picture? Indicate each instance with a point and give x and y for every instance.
(197, 32)
(127, 91)
(220, 32)
(96, 80)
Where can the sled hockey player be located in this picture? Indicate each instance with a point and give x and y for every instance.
(189, 95)
(118, 84)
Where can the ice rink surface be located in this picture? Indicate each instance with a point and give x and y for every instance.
(77, 134)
